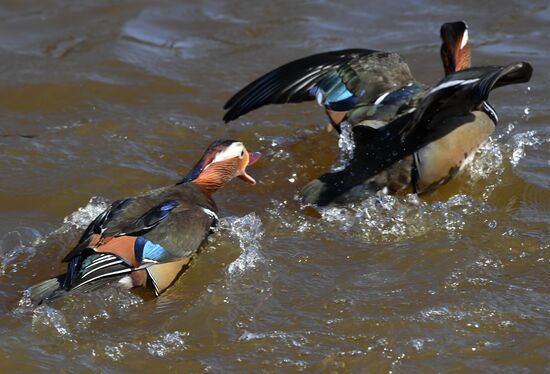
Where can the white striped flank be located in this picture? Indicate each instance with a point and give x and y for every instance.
(128, 270)
(101, 259)
(319, 96)
(88, 272)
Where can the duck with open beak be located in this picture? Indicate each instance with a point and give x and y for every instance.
(249, 159)
(149, 239)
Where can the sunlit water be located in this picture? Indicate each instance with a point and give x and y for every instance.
(101, 101)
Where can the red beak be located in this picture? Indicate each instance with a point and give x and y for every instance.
(252, 158)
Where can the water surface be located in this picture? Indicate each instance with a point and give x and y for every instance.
(105, 99)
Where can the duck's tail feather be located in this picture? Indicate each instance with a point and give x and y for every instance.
(49, 289)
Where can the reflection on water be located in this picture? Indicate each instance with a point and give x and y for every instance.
(109, 99)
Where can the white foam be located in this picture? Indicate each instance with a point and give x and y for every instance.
(346, 145)
(83, 216)
(522, 140)
(388, 219)
(50, 319)
(167, 343)
(17, 248)
(248, 230)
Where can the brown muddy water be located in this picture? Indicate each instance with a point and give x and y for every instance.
(105, 99)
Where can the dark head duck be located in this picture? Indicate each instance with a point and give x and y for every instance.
(147, 240)
(455, 47)
(407, 135)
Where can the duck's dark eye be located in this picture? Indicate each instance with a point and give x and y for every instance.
(242, 153)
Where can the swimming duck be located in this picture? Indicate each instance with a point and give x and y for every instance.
(147, 240)
(373, 90)
(425, 147)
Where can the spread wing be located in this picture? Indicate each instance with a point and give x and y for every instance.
(338, 80)
(461, 93)
(378, 148)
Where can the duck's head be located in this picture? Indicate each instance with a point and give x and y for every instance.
(455, 49)
(222, 161)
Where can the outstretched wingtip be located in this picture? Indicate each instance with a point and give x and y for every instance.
(229, 116)
(524, 71)
(516, 72)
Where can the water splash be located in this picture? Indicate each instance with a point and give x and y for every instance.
(487, 162)
(519, 142)
(84, 215)
(386, 218)
(50, 319)
(17, 248)
(346, 146)
(419, 343)
(248, 231)
(167, 343)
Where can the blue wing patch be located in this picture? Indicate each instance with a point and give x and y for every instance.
(332, 93)
(147, 250)
(166, 207)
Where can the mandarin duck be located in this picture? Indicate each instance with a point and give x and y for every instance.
(397, 146)
(147, 240)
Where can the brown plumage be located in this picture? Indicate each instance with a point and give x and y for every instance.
(148, 239)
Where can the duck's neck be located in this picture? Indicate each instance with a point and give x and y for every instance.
(454, 61)
(214, 177)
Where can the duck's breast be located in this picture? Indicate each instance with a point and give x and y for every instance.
(440, 160)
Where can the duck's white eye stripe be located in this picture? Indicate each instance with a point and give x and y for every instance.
(234, 150)
(464, 39)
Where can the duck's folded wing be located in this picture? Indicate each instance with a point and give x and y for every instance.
(128, 217)
(338, 80)
(179, 236)
(113, 244)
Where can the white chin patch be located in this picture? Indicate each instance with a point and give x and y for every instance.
(234, 150)
(464, 39)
